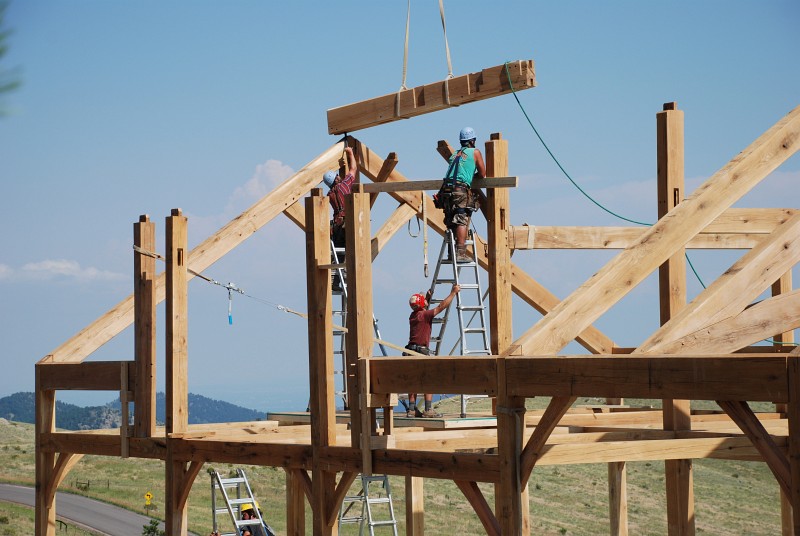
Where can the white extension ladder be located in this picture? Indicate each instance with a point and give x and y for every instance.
(373, 500)
(236, 492)
(473, 340)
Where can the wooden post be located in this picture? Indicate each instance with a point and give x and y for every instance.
(415, 506)
(499, 253)
(177, 414)
(511, 496)
(672, 293)
(781, 286)
(618, 497)
(359, 337)
(320, 357)
(793, 414)
(144, 299)
(45, 522)
(177, 410)
(295, 504)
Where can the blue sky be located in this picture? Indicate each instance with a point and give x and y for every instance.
(130, 108)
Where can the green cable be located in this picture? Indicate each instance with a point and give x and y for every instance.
(513, 91)
(688, 260)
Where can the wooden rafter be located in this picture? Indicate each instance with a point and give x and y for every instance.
(734, 290)
(659, 242)
(763, 320)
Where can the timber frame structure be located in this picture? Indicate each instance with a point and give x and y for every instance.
(703, 351)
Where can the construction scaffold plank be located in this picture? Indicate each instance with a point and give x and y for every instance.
(472, 87)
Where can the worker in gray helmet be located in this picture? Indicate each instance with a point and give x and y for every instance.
(456, 197)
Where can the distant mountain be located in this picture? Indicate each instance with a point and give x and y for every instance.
(21, 407)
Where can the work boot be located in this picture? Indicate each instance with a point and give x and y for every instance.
(461, 254)
(430, 414)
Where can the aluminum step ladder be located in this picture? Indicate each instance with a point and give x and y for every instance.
(235, 492)
(373, 500)
(339, 285)
(473, 339)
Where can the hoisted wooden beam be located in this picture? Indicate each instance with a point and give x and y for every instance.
(490, 82)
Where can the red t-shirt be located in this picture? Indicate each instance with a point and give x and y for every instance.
(420, 324)
(337, 194)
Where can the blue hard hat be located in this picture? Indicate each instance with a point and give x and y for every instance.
(328, 178)
(466, 134)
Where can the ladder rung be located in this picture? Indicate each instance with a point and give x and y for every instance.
(474, 330)
(231, 481)
(469, 286)
(471, 308)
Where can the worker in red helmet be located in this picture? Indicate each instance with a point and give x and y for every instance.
(420, 324)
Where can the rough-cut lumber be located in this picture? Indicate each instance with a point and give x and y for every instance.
(763, 320)
(89, 376)
(144, 342)
(602, 291)
(414, 186)
(665, 376)
(490, 82)
(735, 289)
(469, 375)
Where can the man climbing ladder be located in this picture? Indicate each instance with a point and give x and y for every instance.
(455, 197)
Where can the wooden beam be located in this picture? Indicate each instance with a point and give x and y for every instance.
(733, 290)
(386, 169)
(332, 509)
(623, 273)
(177, 360)
(679, 481)
(320, 356)
(756, 378)
(743, 416)
(618, 498)
(447, 465)
(45, 516)
(469, 375)
(144, 338)
(793, 454)
(90, 376)
(417, 186)
(490, 82)
(475, 498)
(296, 502)
(556, 409)
(763, 320)
(415, 506)
(523, 237)
(359, 336)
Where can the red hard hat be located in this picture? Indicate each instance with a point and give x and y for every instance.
(417, 301)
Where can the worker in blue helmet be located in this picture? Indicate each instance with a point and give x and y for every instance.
(456, 197)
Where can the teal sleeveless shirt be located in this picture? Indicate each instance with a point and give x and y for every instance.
(463, 170)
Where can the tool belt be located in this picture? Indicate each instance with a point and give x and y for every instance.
(424, 350)
(440, 200)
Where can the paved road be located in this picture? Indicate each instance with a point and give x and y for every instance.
(82, 511)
